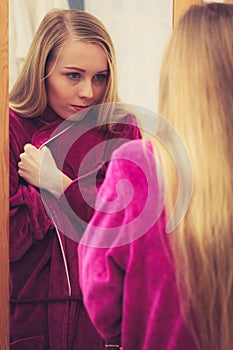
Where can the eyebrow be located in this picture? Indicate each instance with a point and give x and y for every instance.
(83, 70)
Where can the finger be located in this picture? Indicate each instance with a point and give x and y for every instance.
(45, 150)
(22, 155)
(28, 147)
(21, 172)
(20, 165)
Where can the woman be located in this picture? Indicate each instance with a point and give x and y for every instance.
(157, 291)
(57, 141)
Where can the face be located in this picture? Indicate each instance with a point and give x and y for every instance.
(78, 79)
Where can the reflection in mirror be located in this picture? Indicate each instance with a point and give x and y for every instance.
(139, 29)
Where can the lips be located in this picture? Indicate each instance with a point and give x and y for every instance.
(79, 108)
(77, 114)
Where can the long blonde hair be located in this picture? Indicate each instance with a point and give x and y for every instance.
(196, 96)
(28, 96)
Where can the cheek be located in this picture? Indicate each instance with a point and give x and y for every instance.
(51, 89)
(100, 91)
(56, 92)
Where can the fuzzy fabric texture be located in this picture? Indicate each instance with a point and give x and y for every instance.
(125, 261)
(47, 311)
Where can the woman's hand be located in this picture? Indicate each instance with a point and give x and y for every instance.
(39, 169)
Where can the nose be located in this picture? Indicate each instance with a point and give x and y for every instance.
(85, 89)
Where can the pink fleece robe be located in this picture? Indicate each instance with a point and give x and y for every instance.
(125, 262)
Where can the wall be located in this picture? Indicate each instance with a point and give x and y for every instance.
(140, 30)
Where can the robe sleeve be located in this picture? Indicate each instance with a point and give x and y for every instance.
(106, 250)
(129, 129)
(29, 221)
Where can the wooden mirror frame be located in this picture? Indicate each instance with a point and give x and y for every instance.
(4, 180)
(179, 6)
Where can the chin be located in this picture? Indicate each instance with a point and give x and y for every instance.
(78, 116)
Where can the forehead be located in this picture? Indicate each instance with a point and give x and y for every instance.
(80, 54)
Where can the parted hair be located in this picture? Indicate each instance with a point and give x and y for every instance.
(28, 97)
(196, 96)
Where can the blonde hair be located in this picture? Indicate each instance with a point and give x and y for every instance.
(28, 96)
(196, 96)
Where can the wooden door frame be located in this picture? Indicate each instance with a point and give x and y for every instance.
(180, 6)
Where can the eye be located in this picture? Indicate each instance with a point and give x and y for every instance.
(101, 77)
(73, 76)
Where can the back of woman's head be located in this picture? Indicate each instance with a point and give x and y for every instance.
(28, 95)
(196, 96)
